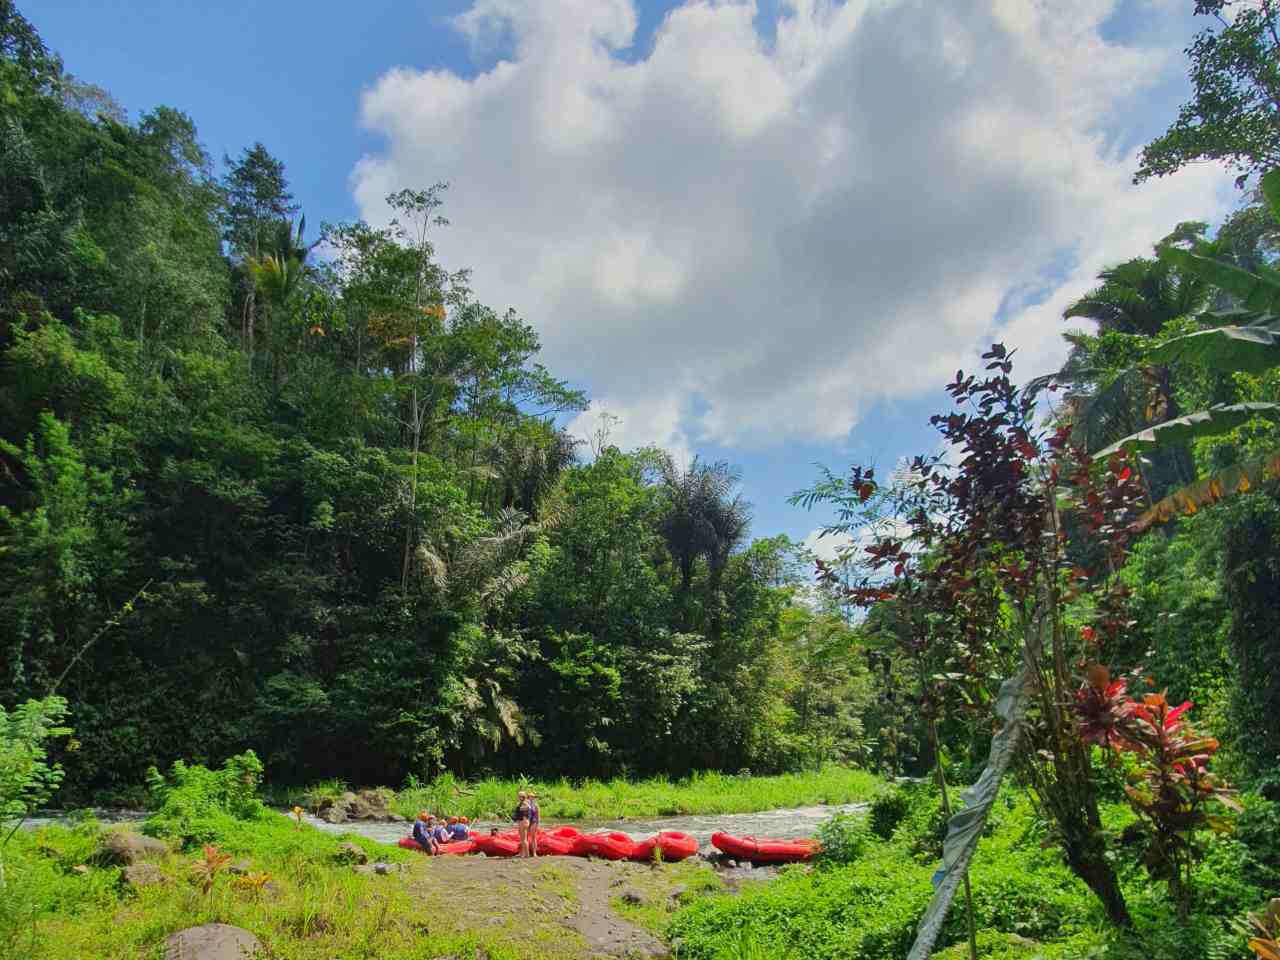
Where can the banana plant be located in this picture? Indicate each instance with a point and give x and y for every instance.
(1250, 347)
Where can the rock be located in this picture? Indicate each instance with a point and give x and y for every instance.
(617, 882)
(124, 847)
(632, 895)
(212, 941)
(382, 869)
(496, 921)
(371, 804)
(240, 867)
(350, 853)
(81, 869)
(364, 869)
(678, 891)
(139, 875)
(396, 818)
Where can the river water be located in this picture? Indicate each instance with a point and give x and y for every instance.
(780, 824)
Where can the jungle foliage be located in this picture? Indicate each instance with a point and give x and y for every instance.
(322, 507)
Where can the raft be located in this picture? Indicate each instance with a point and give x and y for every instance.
(766, 851)
(496, 846)
(455, 846)
(673, 845)
(608, 846)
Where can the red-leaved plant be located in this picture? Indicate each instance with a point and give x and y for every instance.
(1171, 787)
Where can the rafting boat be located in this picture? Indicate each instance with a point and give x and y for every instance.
(671, 844)
(755, 850)
(496, 845)
(454, 846)
(608, 846)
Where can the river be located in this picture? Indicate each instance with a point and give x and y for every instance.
(781, 824)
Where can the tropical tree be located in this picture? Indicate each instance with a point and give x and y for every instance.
(704, 518)
(1233, 116)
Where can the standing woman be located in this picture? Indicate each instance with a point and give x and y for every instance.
(521, 818)
(535, 818)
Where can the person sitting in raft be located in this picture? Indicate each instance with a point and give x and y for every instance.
(441, 832)
(457, 829)
(422, 832)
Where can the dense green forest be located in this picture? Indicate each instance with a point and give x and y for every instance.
(314, 500)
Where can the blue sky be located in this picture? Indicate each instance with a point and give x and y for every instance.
(855, 369)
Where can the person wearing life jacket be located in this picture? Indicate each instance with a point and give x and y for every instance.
(423, 834)
(457, 829)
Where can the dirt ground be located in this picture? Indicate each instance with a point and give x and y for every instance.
(557, 907)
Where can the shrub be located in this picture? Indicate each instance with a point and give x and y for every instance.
(845, 838)
(197, 804)
(887, 811)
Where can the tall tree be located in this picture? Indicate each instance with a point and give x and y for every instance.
(1233, 116)
(257, 201)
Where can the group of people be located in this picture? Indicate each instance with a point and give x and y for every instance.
(527, 818)
(429, 832)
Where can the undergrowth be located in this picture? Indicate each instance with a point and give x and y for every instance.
(703, 793)
(863, 899)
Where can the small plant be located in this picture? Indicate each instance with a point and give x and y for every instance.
(27, 778)
(1263, 930)
(252, 883)
(205, 869)
(844, 838)
(297, 813)
(1170, 786)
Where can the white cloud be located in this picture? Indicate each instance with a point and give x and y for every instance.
(749, 244)
(827, 548)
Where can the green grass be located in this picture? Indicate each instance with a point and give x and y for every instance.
(315, 909)
(655, 885)
(704, 793)
(1026, 903)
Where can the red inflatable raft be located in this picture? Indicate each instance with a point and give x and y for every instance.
(456, 846)
(608, 846)
(673, 845)
(497, 846)
(765, 851)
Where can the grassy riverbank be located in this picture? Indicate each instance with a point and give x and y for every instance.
(865, 900)
(703, 793)
(303, 901)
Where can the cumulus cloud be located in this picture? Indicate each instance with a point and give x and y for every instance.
(746, 242)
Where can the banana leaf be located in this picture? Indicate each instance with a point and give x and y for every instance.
(965, 828)
(1258, 291)
(1271, 192)
(1236, 479)
(1202, 423)
(1252, 349)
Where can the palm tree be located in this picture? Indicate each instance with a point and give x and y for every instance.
(525, 465)
(277, 275)
(1138, 297)
(703, 518)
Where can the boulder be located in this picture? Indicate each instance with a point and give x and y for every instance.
(139, 875)
(336, 809)
(371, 805)
(633, 896)
(213, 941)
(124, 847)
